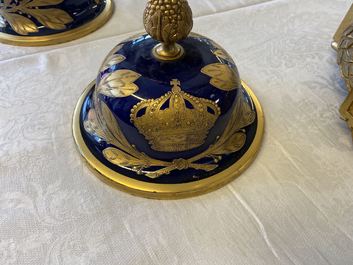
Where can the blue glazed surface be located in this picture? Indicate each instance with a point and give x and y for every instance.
(155, 82)
(81, 11)
(97, 145)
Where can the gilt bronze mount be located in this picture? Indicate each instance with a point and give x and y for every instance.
(343, 43)
(168, 21)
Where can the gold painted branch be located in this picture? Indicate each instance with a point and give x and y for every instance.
(125, 155)
(168, 21)
(20, 15)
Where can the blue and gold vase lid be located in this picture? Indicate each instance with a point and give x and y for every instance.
(168, 115)
(47, 22)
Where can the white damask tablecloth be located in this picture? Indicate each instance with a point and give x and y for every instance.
(294, 205)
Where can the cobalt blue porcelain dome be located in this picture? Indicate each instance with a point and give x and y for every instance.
(168, 108)
(141, 91)
(38, 22)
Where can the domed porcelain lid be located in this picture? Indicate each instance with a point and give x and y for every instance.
(38, 22)
(168, 115)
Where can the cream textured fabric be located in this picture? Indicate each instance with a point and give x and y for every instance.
(294, 205)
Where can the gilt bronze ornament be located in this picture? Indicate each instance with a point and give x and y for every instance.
(168, 21)
(343, 43)
(346, 22)
(168, 120)
(47, 22)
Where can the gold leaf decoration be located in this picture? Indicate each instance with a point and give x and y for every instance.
(52, 18)
(112, 60)
(243, 115)
(20, 24)
(123, 159)
(115, 135)
(119, 84)
(222, 76)
(91, 125)
(223, 55)
(19, 15)
(38, 3)
(220, 52)
(232, 138)
(2, 22)
(111, 56)
(115, 49)
(232, 144)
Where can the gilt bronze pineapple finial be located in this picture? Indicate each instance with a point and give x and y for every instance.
(168, 21)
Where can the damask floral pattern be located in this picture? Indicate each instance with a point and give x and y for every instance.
(7, 252)
(293, 206)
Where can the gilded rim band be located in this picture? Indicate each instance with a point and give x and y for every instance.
(168, 191)
(62, 37)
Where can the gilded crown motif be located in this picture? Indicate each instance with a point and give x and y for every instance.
(175, 122)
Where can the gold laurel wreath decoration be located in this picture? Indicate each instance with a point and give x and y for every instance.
(102, 123)
(125, 155)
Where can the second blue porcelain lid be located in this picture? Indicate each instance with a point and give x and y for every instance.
(38, 22)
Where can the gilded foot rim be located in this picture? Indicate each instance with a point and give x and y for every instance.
(53, 38)
(229, 168)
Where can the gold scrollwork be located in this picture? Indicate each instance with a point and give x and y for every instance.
(175, 122)
(127, 156)
(222, 76)
(119, 83)
(19, 13)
